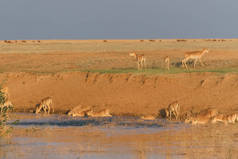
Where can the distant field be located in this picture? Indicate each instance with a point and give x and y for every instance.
(111, 56)
(78, 46)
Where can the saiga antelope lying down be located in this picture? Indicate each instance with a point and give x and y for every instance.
(99, 113)
(203, 116)
(231, 118)
(79, 111)
(82, 111)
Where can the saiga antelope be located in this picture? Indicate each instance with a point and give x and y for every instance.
(140, 58)
(167, 62)
(45, 105)
(195, 56)
(173, 109)
(100, 113)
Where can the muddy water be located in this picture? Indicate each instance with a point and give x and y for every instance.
(63, 137)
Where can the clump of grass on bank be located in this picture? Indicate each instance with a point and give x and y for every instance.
(174, 70)
(4, 129)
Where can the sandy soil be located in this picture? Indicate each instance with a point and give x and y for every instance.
(35, 69)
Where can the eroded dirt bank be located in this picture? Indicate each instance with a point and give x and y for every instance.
(123, 93)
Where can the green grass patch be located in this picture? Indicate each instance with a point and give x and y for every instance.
(173, 70)
(149, 71)
(219, 70)
(135, 71)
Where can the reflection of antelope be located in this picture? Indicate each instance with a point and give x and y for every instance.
(148, 117)
(167, 62)
(140, 58)
(45, 105)
(173, 109)
(195, 56)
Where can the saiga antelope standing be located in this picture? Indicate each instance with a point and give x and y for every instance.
(45, 105)
(195, 56)
(140, 58)
(173, 109)
(167, 62)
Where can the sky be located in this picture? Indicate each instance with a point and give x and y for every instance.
(118, 19)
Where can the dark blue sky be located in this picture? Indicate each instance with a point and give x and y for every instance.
(118, 19)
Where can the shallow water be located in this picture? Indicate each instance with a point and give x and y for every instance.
(61, 137)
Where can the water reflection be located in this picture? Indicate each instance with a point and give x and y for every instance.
(115, 140)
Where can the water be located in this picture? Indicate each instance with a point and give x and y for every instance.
(61, 137)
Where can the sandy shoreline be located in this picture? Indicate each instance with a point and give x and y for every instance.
(123, 94)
